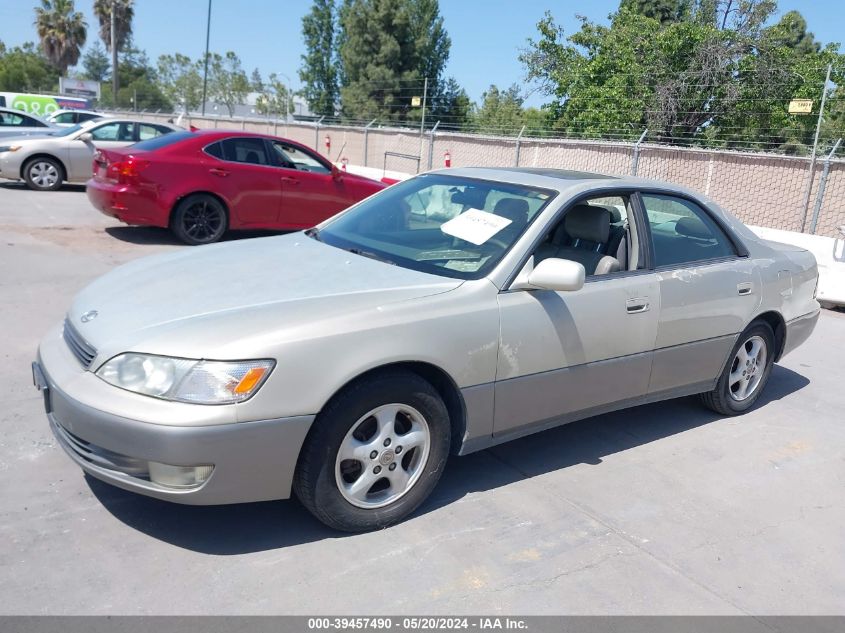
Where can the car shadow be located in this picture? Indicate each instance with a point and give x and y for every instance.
(151, 235)
(255, 527)
(20, 185)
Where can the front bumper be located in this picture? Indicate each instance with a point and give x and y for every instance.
(253, 461)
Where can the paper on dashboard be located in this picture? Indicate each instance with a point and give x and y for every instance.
(475, 226)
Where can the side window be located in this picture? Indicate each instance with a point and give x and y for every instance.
(215, 149)
(18, 120)
(146, 131)
(66, 117)
(683, 232)
(117, 131)
(598, 232)
(294, 157)
(85, 116)
(245, 150)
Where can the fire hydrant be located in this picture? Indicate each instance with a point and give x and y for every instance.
(447, 158)
(328, 144)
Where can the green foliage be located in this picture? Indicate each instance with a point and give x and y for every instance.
(124, 12)
(26, 69)
(181, 80)
(705, 72)
(95, 63)
(227, 81)
(319, 65)
(450, 105)
(138, 80)
(62, 31)
(387, 48)
(501, 112)
(275, 98)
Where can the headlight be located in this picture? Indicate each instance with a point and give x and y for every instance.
(9, 148)
(185, 380)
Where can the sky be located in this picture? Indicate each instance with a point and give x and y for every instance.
(487, 35)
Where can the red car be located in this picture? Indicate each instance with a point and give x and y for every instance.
(201, 184)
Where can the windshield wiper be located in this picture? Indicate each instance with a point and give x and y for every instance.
(314, 233)
(371, 255)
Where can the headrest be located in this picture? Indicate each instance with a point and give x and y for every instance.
(615, 214)
(513, 209)
(471, 197)
(693, 227)
(585, 222)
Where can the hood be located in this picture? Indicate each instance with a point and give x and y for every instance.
(216, 295)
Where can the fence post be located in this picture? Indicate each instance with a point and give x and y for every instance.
(820, 195)
(317, 133)
(367, 140)
(518, 143)
(635, 159)
(811, 172)
(431, 145)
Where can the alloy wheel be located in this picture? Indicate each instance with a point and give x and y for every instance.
(747, 369)
(201, 221)
(382, 456)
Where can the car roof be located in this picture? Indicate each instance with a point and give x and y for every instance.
(221, 134)
(63, 110)
(17, 111)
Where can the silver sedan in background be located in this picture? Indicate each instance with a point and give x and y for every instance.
(13, 122)
(448, 313)
(66, 154)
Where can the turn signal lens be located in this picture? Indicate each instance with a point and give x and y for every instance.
(250, 379)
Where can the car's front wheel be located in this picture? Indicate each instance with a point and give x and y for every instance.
(43, 174)
(199, 219)
(375, 452)
(746, 373)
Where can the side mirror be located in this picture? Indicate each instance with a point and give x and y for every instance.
(86, 137)
(337, 174)
(561, 275)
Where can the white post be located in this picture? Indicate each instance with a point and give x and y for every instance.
(808, 188)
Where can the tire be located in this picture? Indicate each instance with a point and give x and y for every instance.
(43, 174)
(199, 219)
(739, 387)
(374, 416)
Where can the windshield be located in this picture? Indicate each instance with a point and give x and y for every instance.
(445, 225)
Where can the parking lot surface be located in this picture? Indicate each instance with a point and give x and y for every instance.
(660, 509)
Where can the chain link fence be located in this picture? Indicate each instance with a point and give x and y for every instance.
(761, 188)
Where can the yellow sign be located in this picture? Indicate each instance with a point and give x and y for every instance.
(801, 106)
(415, 102)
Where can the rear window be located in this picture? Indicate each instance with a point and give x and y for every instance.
(162, 141)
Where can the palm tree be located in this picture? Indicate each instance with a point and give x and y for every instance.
(62, 32)
(119, 13)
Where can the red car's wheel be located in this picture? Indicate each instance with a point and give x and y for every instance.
(199, 219)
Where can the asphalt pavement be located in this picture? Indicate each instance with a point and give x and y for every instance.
(661, 509)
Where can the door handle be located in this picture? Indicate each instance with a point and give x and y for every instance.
(290, 181)
(639, 304)
(744, 288)
(216, 171)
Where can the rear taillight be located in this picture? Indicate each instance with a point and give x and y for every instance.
(126, 170)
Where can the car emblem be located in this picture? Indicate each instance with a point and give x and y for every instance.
(89, 316)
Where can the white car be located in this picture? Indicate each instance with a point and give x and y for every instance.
(17, 123)
(68, 118)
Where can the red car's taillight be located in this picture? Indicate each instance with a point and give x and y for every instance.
(126, 170)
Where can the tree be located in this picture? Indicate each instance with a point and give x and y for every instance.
(26, 69)
(62, 32)
(140, 85)
(181, 80)
(450, 105)
(256, 83)
(121, 12)
(708, 71)
(500, 111)
(275, 98)
(387, 49)
(319, 65)
(228, 83)
(95, 63)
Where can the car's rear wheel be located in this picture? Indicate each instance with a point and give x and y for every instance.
(199, 219)
(374, 453)
(746, 373)
(43, 174)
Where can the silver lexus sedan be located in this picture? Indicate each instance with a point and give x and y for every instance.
(445, 314)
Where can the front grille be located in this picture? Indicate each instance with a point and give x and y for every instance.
(102, 457)
(83, 351)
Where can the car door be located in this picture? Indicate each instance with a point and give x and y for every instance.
(106, 135)
(241, 171)
(565, 355)
(310, 192)
(708, 292)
